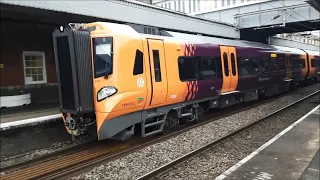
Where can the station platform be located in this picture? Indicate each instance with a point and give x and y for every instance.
(291, 155)
(29, 115)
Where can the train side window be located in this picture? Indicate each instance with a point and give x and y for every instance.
(313, 63)
(219, 67)
(188, 69)
(263, 65)
(282, 64)
(208, 68)
(317, 61)
(274, 65)
(247, 66)
(156, 64)
(295, 63)
(302, 63)
(138, 63)
(225, 62)
(255, 66)
(233, 64)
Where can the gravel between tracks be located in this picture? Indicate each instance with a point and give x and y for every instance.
(145, 160)
(30, 155)
(216, 160)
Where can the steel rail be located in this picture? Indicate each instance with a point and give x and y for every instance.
(166, 167)
(66, 166)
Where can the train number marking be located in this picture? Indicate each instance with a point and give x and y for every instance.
(173, 96)
(128, 104)
(140, 82)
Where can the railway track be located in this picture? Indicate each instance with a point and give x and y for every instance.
(66, 163)
(163, 169)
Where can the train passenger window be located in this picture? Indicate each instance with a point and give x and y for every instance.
(187, 68)
(233, 64)
(219, 66)
(274, 64)
(247, 66)
(313, 63)
(138, 63)
(298, 63)
(317, 63)
(264, 66)
(208, 68)
(156, 65)
(282, 64)
(302, 63)
(225, 62)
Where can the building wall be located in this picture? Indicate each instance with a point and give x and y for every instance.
(20, 37)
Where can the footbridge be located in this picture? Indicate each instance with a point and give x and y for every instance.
(257, 21)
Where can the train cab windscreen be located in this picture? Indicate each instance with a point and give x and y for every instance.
(103, 61)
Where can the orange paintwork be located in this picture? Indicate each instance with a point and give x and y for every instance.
(312, 70)
(159, 89)
(234, 78)
(288, 66)
(129, 95)
(126, 99)
(230, 82)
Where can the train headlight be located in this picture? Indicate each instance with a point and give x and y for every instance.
(106, 92)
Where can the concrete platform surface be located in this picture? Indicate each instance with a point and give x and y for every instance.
(291, 155)
(30, 115)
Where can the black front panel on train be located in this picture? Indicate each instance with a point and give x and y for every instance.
(74, 70)
(65, 73)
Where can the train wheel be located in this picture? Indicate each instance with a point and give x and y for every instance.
(200, 113)
(171, 122)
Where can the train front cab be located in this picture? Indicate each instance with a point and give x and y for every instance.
(313, 66)
(102, 87)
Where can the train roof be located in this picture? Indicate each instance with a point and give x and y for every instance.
(314, 53)
(231, 42)
(128, 30)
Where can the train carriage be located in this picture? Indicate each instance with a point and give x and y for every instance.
(314, 66)
(114, 80)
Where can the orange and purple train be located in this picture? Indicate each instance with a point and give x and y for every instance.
(115, 81)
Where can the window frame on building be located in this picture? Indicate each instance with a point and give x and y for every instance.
(44, 72)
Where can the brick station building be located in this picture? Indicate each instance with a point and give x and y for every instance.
(27, 61)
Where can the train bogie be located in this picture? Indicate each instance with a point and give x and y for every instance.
(120, 81)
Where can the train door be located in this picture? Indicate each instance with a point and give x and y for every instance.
(305, 69)
(229, 69)
(158, 72)
(288, 66)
